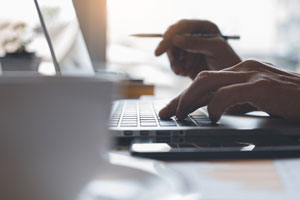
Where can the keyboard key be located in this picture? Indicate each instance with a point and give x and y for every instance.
(167, 123)
(128, 120)
(205, 122)
(148, 120)
(128, 125)
(133, 122)
(148, 124)
(186, 122)
(199, 116)
(143, 121)
(147, 116)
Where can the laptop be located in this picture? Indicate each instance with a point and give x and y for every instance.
(139, 118)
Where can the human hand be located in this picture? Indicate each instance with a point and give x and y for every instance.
(250, 82)
(188, 54)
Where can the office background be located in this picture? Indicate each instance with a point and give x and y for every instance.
(269, 30)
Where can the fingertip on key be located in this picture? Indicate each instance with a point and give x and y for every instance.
(163, 113)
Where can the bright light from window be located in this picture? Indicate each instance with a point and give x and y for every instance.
(269, 29)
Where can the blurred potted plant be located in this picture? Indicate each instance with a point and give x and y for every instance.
(15, 39)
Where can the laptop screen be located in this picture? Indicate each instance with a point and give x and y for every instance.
(64, 37)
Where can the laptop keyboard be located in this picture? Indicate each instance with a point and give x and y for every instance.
(144, 114)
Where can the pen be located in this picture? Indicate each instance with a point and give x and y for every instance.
(204, 35)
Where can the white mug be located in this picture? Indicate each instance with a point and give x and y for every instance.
(53, 135)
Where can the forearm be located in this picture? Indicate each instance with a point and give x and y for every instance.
(296, 74)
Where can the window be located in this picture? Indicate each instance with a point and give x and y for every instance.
(269, 29)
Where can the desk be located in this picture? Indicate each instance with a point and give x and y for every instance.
(265, 179)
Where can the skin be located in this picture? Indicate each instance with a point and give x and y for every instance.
(237, 87)
(188, 55)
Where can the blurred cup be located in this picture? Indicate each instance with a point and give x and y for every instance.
(53, 135)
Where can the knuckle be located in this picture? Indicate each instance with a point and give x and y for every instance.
(221, 93)
(183, 22)
(263, 82)
(202, 74)
(175, 28)
(268, 63)
(249, 64)
(211, 25)
(253, 75)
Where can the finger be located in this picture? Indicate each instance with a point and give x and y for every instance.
(247, 65)
(254, 65)
(166, 43)
(176, 65)
(185, 26)
(240, 109)
(204, 100)
(204, 85)
(189, 62)
(182, 62)
(232, 95)
(170, 109)
(163, 46)
(186, 64)
(195, 63)
(196, 44)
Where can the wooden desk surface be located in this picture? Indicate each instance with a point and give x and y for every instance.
(264, 179)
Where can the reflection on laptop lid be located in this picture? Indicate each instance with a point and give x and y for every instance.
(64, 37)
